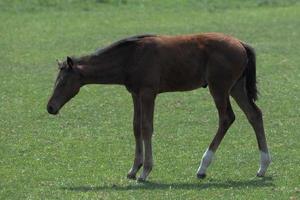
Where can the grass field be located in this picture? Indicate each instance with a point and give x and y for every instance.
(86, 151)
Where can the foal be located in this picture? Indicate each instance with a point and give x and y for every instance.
(150, 64)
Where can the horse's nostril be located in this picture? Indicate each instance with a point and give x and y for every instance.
(51, 109)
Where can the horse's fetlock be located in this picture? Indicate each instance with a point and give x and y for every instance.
(148, 165)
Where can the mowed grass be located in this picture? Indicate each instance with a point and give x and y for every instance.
(86, 151)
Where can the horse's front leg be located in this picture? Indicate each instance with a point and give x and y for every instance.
(147, 99)
(138, 159)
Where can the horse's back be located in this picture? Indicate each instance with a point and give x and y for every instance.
(179, 63)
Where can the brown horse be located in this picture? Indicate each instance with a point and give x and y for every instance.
(150, 64)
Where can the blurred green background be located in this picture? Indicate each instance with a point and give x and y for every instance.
(86, 151)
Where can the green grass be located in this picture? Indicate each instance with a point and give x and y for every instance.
(86, 151)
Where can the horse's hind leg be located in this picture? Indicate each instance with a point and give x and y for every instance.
(254, 116)
(220, 95)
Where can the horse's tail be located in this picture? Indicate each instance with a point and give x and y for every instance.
(250, 72)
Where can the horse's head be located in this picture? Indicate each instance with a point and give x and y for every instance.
(67, 85)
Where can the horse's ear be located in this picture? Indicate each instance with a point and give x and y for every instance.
(70, 62)
(59, 63)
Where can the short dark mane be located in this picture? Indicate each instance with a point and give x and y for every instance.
(122, 42)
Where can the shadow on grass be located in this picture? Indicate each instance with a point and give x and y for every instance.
(253, 183)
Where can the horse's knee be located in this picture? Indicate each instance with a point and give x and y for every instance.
(147, 129)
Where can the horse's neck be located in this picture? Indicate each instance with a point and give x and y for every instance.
(103, 70)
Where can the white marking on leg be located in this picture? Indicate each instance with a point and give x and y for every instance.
(265, 160)
(205, 162)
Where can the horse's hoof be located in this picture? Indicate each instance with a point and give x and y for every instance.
(201, 176)
(259, 175)
(131, 176)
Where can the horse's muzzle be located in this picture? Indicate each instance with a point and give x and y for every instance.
(52, 110)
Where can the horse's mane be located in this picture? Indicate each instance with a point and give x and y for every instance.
(111, 51)
(122, 42)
